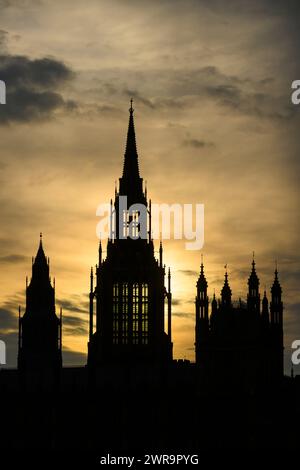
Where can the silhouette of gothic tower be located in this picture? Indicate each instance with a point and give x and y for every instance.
(239, 336)
(202, 321)
(253, 298)
(265, 311)
(276, 326)
(40, 331)
(130, 292)
(226, 294)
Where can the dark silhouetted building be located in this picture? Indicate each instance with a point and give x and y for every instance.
(39, 328)
(130, 289)
(132, 397)
(237, 344)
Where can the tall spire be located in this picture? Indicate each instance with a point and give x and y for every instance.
(253, 280)
(40, 256)
(39, 332)
(202, 282)
(131, 166)
(276, 306)
(276, 287)
(265, 309)
(131, 183)
(226, 291)
(40, 266)
(214, 304)
(202, 298)
(253, 297)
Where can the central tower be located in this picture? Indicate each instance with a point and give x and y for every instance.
(130, 288)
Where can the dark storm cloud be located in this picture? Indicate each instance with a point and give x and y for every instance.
(32, 88)
(8, 321)
(9, 314)
(154, 104)
(244, 95)
(76, 305)
(158, 90)
(20, 71)
(13, 258)
(189, 272)
(134, 94)
(74, 326)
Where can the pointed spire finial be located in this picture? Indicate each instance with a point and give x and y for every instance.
(201, 265)
(131, 108)
(40, 258)
(253, 260)
(226, 272)
(226, 291)
(131, 184)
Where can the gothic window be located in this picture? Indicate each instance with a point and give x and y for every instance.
(138, 312)
(144, 313)
(130, 224)
(124, 318)
(135, 224)
(125, 224)
(115, 313)
(135, 314)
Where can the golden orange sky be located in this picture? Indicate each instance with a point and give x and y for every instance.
(214, 123)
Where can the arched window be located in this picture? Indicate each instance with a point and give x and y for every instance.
(135, 313)
(124, 318)
(116, 313)
(130, 302)
(144, 314)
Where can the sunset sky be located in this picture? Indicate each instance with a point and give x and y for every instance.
(211, 83)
